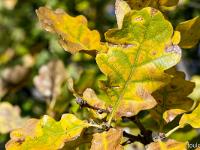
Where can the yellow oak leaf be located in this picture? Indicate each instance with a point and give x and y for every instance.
(195, 95)
(134, 65)
(190, 33)
(73, 32)
(168, 145)
(93, 100)
(176, 38)
(121, 9)
(107, 140)
(192, 119)
(46, 133)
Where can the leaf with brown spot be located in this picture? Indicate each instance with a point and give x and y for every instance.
(46, 133)
(135, 65)
(73, 32)
(93, 100)
(107, 140)
(168, 145)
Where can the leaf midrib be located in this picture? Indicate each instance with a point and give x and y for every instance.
(129, 77)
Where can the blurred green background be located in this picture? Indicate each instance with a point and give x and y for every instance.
(22, 41)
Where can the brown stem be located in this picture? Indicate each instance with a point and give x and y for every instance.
(147, 134)
(133, 138)
(83, 103)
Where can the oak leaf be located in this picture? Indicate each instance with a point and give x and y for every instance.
(10, 118)
(46, 133)
(172, 99)
(121, 9)
(51, 77)
(168, 145)
(190, 33)
(135, 65)
(73, 32)
(192, 119)
(195, 95)
(107, 140)
(93, 100)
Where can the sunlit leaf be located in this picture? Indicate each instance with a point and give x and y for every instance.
(135, 68)
(74, 34)
(176, 38)
(170, 115)
(172, 99)
(10, 118)
(108, 140)
(169, 145)
(92, 99)
(190, 33)
(121, 9)
(192, 119)
(46, 133)
(195, 95)
(89, 96)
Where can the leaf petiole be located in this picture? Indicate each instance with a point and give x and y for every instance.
(172, 131)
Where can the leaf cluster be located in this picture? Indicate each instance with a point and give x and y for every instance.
(139, 92)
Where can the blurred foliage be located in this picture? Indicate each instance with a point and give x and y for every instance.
(25, 48)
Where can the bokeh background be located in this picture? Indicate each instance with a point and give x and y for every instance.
(25, 47)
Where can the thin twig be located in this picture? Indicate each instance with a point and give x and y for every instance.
(84, 103)
(133, 138)
(147, 134)
(172, 131)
